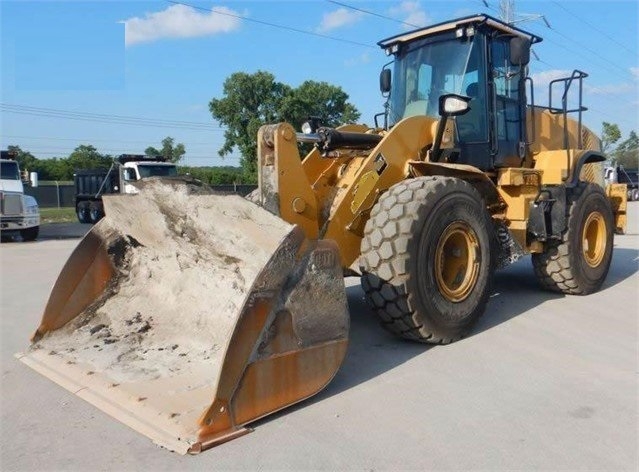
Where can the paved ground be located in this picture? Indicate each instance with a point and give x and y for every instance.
(544, 382)
(52, 231)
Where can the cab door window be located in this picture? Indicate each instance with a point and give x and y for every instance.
(506, 83)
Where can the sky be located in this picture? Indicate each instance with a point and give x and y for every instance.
(122, 75)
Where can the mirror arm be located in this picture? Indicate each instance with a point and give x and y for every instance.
(435, 151)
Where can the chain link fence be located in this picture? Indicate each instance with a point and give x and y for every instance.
(62, 194)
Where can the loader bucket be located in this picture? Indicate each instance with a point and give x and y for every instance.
(188, 316)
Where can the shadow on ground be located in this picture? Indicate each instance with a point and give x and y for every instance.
(49, 231)
(372, 351)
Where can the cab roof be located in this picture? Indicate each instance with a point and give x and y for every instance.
(478, 19)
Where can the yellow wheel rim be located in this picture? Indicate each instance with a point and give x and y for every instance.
(457, 261)
(594, 239)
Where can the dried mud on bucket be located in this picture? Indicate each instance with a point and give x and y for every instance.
(185, 261)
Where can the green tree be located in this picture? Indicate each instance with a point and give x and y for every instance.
(627, 152)
(86, 156)
(25, 159)
(170, 151)
(225, 175)
(328, 102)
(54, 169)
(610, 134)
(252, 100)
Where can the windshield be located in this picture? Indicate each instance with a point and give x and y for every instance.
(154, 170)
(425, 71)
(9, 171)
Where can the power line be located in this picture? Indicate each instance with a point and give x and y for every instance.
(120, 150)
(47, 152)
(594, 27)
(566, 37)
(104, 118)
(274, 25)
(592, 51)
(368, 12)
(91, 140)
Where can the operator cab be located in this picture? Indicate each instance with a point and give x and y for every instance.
(476, 57)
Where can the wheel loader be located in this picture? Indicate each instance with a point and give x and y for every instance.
(188, 316)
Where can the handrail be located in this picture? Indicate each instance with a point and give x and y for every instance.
(567, 81)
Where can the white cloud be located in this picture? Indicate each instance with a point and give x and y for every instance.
(635, 71)
(411, 12)
(545, 77)
(355, 61)
(610, 89)
(178, 21)
(337, 19)
(463, 12)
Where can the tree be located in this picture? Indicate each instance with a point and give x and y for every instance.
(252, 100)
(25, 159)
(86, 156)
(627, 153)
(610, 134)
(226, 175)
(169, 151)
(328, 102)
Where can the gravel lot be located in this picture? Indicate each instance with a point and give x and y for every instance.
(544, 382)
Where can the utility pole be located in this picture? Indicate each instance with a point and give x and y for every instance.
(507, 11)
(507, 15)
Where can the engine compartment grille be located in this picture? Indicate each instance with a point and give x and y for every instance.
(11, 204)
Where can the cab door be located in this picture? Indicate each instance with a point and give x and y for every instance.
(508, 110)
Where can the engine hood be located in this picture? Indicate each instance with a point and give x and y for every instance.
(11, 186)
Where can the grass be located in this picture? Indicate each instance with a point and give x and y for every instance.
(58, 215)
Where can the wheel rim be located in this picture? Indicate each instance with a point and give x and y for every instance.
(457, 261)
(594, 239)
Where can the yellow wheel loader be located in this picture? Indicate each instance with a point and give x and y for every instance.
(188, 315)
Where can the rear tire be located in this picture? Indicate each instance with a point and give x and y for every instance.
(635, 194)
(427, 259)
(30, 234)
(578, 264)
(96, 212)
(82, 210)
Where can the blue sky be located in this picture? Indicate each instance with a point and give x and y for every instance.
(161, 63)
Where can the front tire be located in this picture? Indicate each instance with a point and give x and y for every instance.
(578, 264)
(30, 234)
(427, 259)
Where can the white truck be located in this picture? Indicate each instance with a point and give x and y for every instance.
(620, 175)
(90, 185)
(19, 213)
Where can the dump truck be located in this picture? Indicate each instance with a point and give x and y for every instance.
(213, 311)
(92, 184)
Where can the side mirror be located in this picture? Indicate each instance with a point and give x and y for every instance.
(449, 105)
(519, 51)
(385, 80)
(453, 105)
